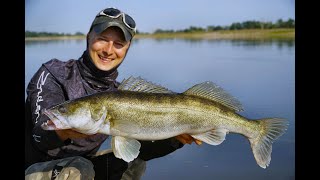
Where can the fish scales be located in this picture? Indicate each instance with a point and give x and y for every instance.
(158, 116)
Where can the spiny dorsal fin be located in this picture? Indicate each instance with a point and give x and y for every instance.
(211, 91)
(141, 85)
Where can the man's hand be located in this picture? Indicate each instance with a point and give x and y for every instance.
(65, 134)
(187, 139)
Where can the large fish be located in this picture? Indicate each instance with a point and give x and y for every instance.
(141, 110)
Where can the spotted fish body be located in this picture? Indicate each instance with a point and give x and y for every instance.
(141, 110)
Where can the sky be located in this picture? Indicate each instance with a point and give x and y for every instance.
(71, 16)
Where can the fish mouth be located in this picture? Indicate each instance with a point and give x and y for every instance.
(49, 114)
(58, 123)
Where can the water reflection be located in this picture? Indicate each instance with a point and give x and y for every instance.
(288, 43)
(53, 41)
(283, 43)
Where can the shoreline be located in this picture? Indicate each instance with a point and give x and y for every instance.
(249, 34)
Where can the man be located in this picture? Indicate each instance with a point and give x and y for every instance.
(67, 153)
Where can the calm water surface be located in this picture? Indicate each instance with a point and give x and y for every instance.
(258, 73)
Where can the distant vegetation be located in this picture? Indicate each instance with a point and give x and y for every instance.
(290, 23)
(50, 34)
(279, 24)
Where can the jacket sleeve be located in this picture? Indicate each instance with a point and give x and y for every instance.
(43, 91)
(155, 149)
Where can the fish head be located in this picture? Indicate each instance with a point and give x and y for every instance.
(67, 115)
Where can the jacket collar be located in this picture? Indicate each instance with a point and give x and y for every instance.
(96, 78)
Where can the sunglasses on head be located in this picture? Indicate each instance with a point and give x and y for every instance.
(115, 13)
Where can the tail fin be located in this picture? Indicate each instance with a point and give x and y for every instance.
(271, 129)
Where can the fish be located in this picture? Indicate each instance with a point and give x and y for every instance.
(143, 110)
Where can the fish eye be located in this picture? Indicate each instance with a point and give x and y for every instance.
(62, 109)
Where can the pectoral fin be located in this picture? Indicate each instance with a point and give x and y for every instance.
(125, 148)
(213, 137)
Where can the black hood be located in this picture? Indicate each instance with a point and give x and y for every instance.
(96, 78)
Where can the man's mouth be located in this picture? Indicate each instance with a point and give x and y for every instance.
(103, 58)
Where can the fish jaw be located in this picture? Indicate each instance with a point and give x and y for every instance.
(82, 120)
(56, 122)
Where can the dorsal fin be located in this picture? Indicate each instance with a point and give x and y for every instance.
(211, 91)
(141, 85)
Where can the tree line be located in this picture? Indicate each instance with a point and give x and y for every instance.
(290, 23)
(50, 34)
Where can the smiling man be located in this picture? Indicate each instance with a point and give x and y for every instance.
(107, 49)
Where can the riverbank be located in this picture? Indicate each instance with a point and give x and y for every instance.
(53, 38)
(222, 34)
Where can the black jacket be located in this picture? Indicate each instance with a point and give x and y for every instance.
(57, 81)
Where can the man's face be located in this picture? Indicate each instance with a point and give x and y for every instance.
(107, 49)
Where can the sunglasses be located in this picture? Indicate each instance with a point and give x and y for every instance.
(115, 13)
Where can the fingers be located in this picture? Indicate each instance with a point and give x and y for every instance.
(71, 134)
(49, 122)
(187, 139)
(198, 142)
(179, 138)
(182, 139)
(75, 134)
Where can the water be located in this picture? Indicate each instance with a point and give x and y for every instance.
(258, 73)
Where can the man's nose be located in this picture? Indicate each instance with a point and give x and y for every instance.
(108, 47)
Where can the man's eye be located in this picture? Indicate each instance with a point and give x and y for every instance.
(102, 39)
(119, 44)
